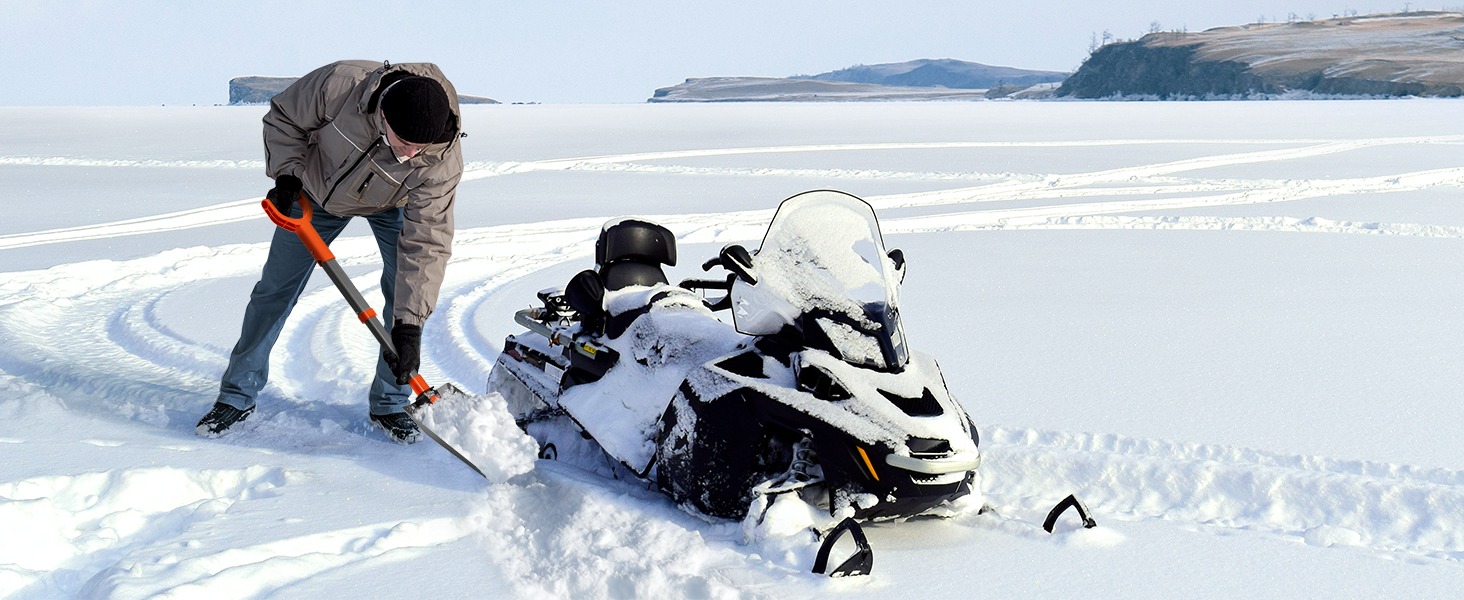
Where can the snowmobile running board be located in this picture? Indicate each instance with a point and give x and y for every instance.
(320, 251)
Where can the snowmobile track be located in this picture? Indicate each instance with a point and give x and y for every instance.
(92, 334)
(1318, 500)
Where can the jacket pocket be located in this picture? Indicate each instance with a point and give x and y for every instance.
(370, 185)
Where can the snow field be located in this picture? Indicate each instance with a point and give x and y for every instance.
(1105, 311)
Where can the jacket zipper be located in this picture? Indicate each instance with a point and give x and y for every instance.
(364, 154)
(361, 191)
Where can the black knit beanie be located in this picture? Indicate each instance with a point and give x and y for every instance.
(417, 109)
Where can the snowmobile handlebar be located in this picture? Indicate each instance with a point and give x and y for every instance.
(694, 284)
(528, 318)
(723, 303)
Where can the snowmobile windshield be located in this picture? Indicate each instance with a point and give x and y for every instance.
(824, 261)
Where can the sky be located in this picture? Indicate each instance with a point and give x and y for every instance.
(159, 52)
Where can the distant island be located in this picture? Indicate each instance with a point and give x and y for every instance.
(1382, 55)
(1386, 55)
(925, 79)
(258, 90)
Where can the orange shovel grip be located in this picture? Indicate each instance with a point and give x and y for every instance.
(301, 227)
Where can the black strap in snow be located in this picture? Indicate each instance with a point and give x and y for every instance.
(860, 563)
(1071, 501)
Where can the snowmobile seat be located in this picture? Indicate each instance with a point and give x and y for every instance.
(628, 253)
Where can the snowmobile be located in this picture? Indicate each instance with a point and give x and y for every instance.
(809, 394)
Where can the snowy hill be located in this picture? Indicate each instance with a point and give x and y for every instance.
(1233, 328)
(1406, 54)
(947, 73)
(775, 89)
(940, 73)
(924, 79)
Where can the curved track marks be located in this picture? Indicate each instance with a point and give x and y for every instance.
(1321, 501)
(107, 311)
(96, 334)
(1012, 187)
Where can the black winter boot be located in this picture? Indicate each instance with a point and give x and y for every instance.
(220, 419)
(399, 427)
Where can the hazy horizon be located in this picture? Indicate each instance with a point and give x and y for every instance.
(152, 52)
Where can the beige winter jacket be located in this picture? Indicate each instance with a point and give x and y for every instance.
(326, 130)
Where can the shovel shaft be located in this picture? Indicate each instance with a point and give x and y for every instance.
(364, 312)
(326, 259)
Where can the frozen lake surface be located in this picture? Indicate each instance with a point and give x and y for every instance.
(1233, 328)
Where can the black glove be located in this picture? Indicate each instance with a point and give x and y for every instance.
(408, 357)
(287, 188)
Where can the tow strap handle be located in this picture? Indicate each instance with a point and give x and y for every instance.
(301, 227)
(860, 563)
(1071, 501)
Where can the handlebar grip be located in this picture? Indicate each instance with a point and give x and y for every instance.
(715, 261)
(706, 284)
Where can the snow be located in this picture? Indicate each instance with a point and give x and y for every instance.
(482, 430)
(1231, 328)
(623, 412)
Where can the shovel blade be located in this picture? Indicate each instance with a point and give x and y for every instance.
(479, 431)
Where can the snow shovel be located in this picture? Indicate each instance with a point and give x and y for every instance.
(448, 404)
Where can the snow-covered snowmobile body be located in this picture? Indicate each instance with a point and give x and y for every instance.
(811, 389)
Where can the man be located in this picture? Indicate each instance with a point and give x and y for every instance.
(358, 139)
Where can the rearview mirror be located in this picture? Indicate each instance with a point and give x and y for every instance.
(898, 256)
(738, 260)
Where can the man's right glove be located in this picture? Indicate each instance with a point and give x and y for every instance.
(408, 357)
(287, 188)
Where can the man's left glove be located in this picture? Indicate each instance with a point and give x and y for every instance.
(408, 358)
(286, 190)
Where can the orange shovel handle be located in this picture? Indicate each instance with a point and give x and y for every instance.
(301, 227)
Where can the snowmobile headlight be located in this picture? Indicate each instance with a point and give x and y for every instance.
(818, 381)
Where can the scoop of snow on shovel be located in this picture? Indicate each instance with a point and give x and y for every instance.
(481, 429)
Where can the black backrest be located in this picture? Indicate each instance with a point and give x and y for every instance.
(631, 252)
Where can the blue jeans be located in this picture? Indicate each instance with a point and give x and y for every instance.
(286, 271)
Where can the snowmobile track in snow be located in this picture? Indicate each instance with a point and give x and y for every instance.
(1015, 187)
(1321, 501)
(91, 334)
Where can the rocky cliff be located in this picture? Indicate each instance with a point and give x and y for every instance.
(258, 90)
(1408, 54)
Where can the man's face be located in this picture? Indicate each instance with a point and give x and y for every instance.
(403, 149)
